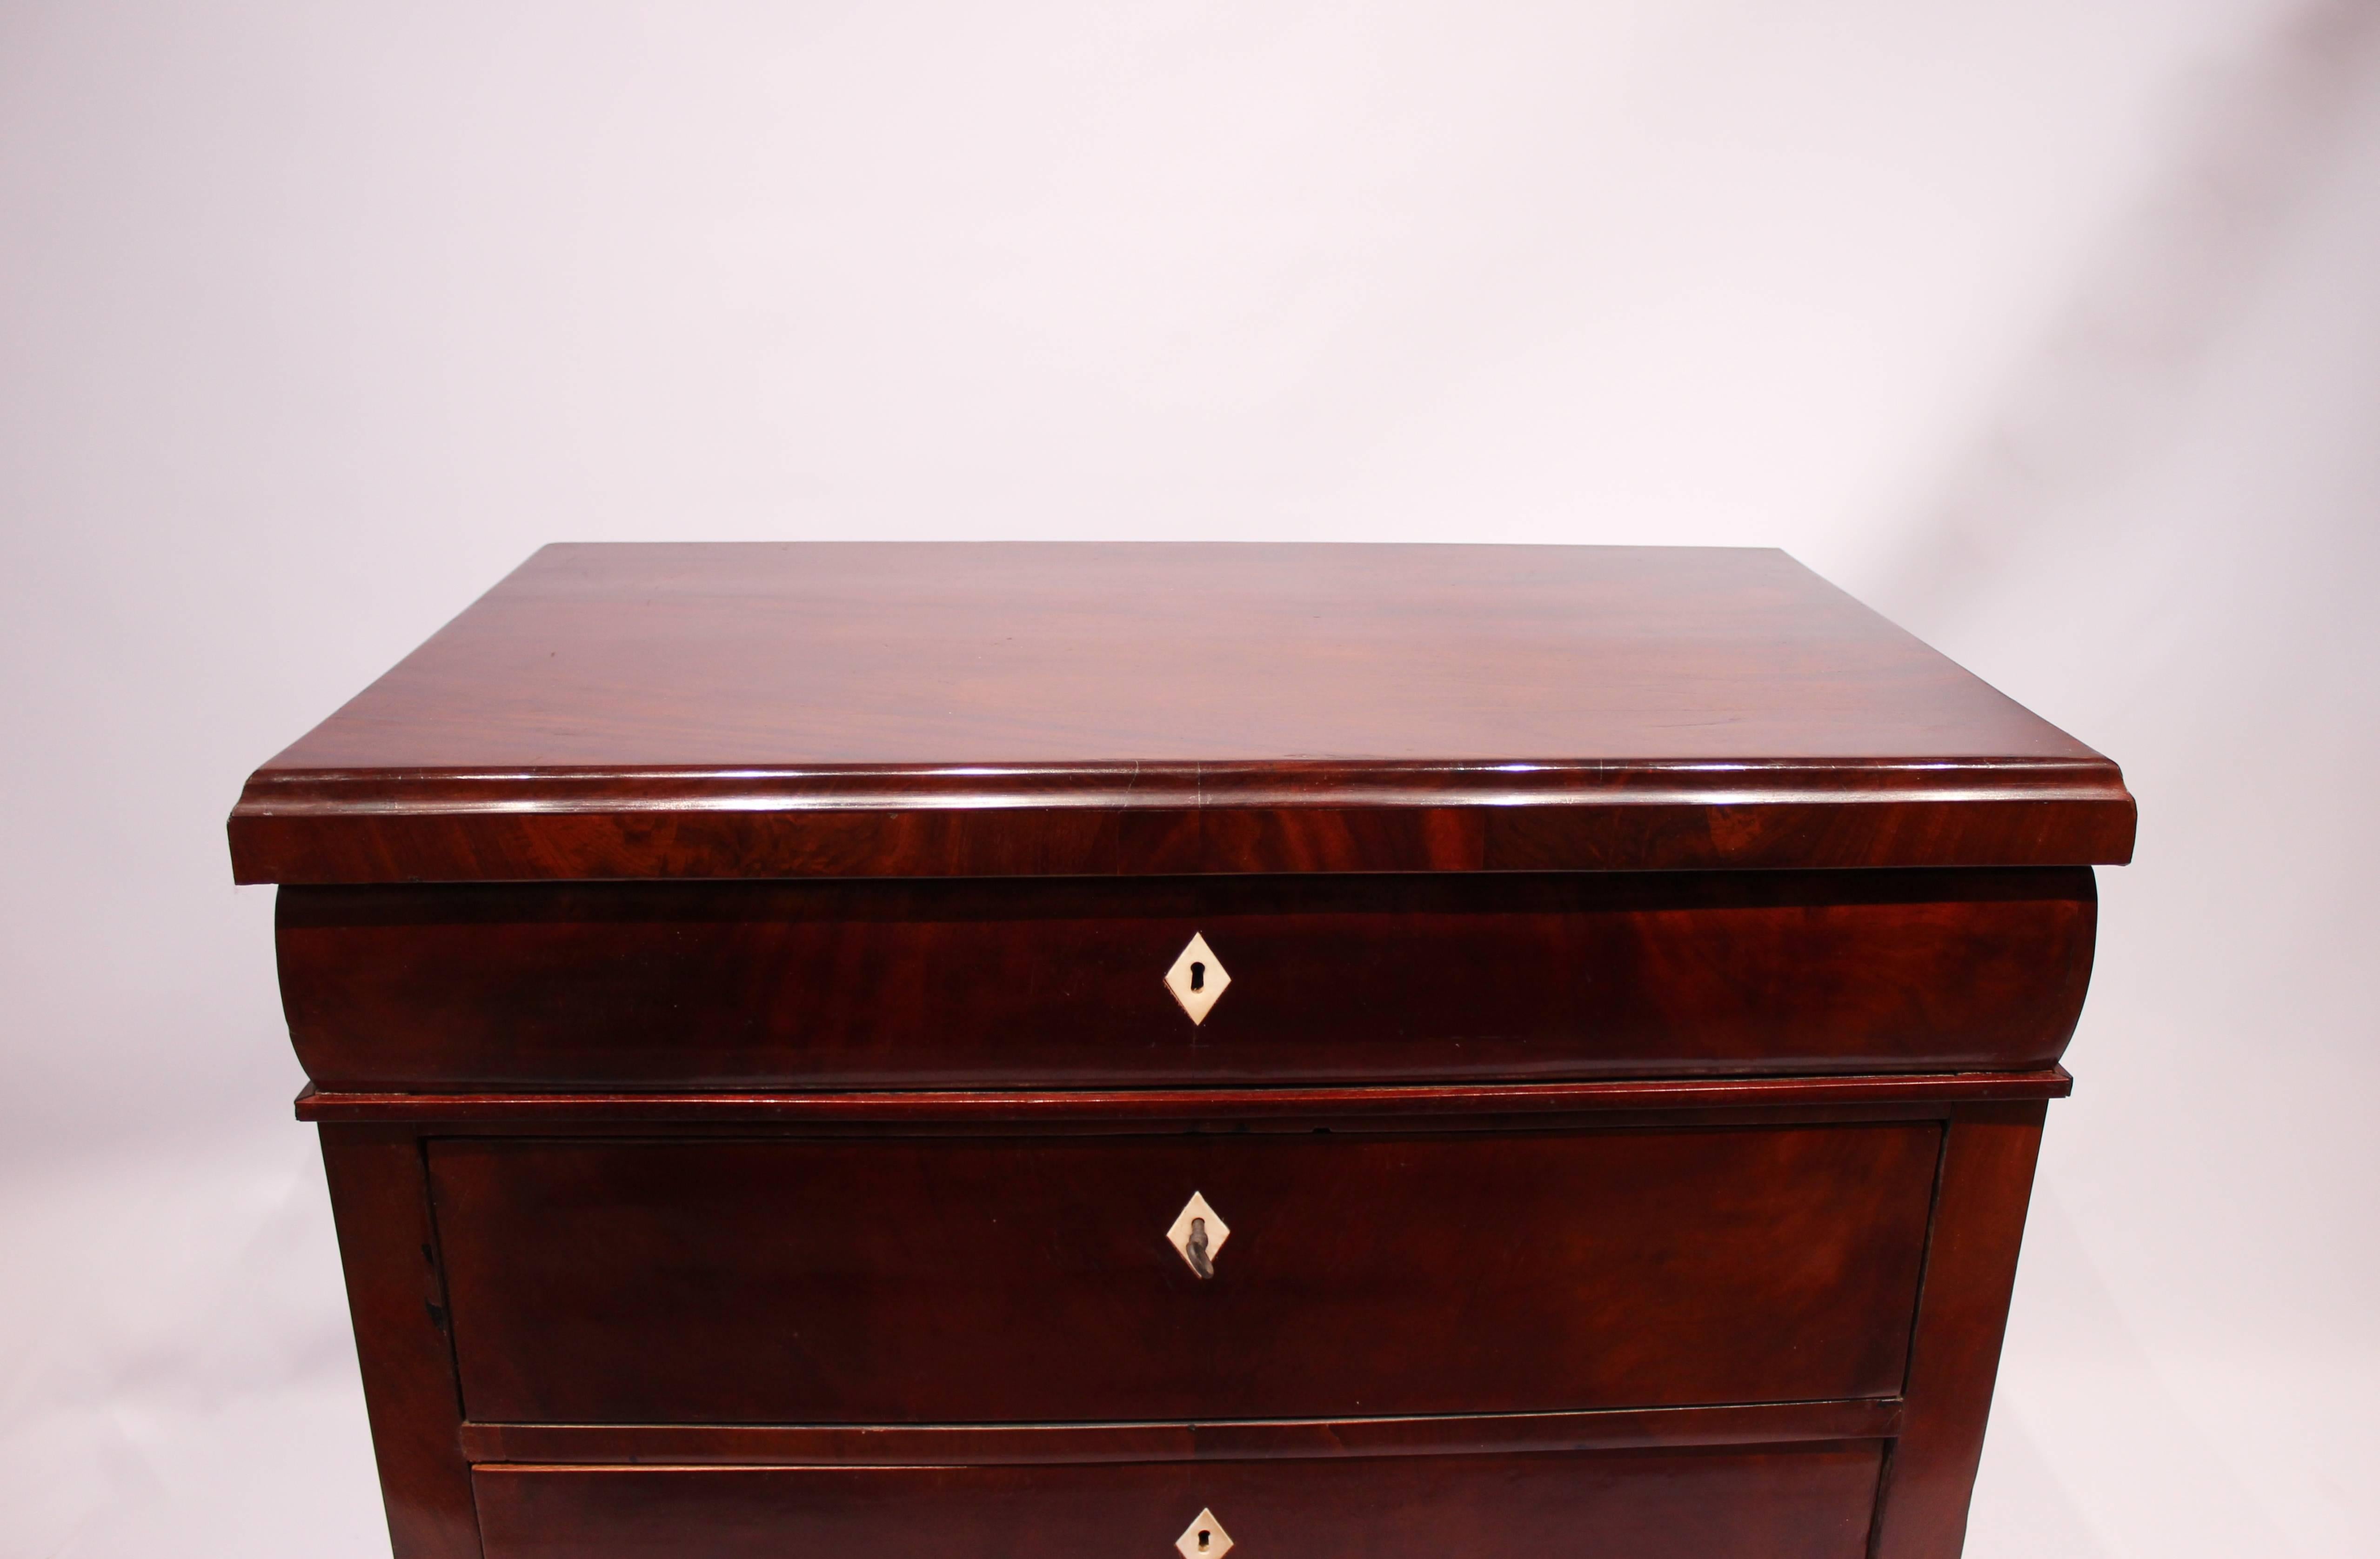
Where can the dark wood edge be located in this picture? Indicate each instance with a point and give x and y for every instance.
(985, 1445)
(288, 841)
(1189, 1105)
(1162, 787)
(396, 1298)
(1980, 1202)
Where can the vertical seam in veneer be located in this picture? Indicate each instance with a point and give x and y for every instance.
(1916, 1327)
(1875, 1504)
(446, 1300)
(1926, 1262)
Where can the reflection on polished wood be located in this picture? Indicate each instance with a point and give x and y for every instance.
(1023, 709)
(983, 1279)
(768, 1106)
(1055, 982)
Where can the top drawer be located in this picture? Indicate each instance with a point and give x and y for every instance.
(1061, 982)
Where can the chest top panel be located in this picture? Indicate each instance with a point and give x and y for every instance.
(710, 710)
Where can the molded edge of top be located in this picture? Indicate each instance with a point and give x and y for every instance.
(324, 827)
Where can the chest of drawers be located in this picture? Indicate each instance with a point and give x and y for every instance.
(1085, 1050)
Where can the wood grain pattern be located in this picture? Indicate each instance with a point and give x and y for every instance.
(736, 975)
(1055, 982)
(1934, 1434)
(1805, 1502)
(927, 710)
(953, 1281)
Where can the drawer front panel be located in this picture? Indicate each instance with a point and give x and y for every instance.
(1806, 1503)
(1025, 1280)
(1060, 984)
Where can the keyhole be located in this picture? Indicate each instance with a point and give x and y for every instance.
(1200, 1262)
(1205, 1537)
(1198, 980)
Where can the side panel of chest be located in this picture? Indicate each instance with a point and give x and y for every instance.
(1060, 982)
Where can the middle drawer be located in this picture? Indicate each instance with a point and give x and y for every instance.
(701, 1280)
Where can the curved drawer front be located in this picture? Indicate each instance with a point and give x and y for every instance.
(1063, 982)
(1042, 1279)
(1804, 1503)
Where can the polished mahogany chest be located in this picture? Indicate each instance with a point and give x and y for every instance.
(1070, 1050)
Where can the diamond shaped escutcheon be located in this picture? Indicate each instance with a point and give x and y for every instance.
(1204, 1539)
(1198, 1234)
(1197, 978)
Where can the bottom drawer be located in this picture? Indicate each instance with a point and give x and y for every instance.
(1802, 1502)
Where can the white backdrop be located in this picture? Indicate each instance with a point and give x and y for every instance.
(2049, 327)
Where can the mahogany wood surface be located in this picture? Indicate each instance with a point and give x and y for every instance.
(1969, 1272)
(1802, 1503)
(1057, 983)
(396, 1298)
(1767, 1424)
(819, 710)
(1694, 1101)
(942, 1281)
(399, 1281)
(730, 980)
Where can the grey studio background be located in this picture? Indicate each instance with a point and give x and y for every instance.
(2051, 328)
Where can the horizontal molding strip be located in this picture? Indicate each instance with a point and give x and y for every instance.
(540, 825)
(1025, 1108)
(1169, 787)
(708, 1445)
